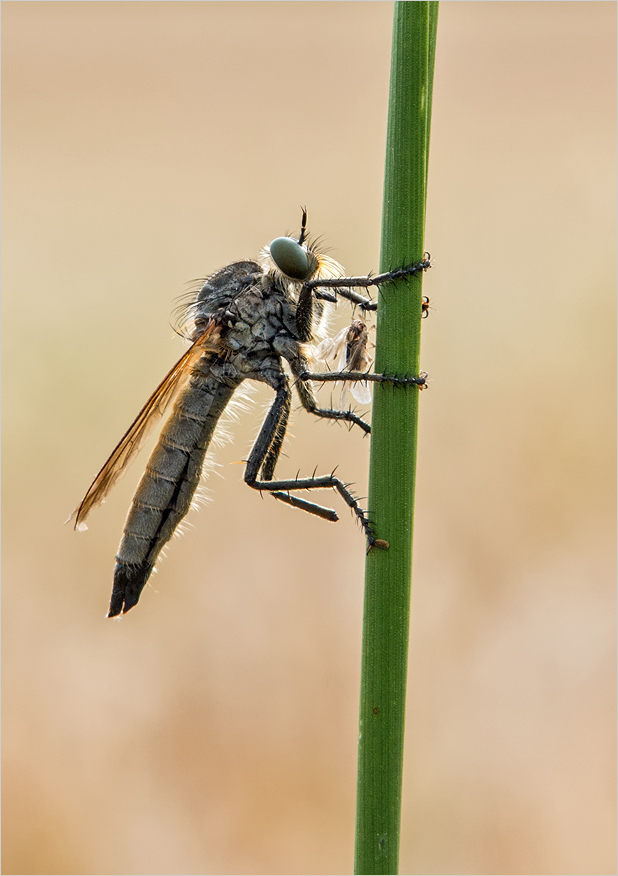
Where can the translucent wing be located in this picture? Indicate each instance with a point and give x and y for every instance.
(208, 342)
(330, 348)
(350, 345)
(358, 358)
(361, 392)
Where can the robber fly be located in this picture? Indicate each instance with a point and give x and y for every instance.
(245, 321)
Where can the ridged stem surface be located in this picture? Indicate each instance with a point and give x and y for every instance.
(393, 446)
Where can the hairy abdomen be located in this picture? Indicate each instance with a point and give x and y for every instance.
(166, 489)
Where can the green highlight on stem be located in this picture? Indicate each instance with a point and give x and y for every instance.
(393, 446)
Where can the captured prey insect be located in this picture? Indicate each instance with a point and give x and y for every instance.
(245, 321)
(351, 347)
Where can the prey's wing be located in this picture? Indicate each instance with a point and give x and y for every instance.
(208, 342)
(350, 344)
(330, 348)
(358, 359)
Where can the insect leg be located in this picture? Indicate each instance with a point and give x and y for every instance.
(366, 282)
(309, 402)
(325, 296)
(355, 298)
(343, 284)
(304, 313)
(272, 456)
(355, 376)
(362, 302)
(264, 453)
(322, 483)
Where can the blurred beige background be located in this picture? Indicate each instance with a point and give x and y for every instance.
(213, 730)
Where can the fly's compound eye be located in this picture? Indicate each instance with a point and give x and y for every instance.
(292, 259)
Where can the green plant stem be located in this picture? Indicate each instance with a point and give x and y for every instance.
(393, 446)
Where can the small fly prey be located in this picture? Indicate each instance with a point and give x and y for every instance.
(245, 321)
(350, 345)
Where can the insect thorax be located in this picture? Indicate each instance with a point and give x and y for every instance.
(256, 308)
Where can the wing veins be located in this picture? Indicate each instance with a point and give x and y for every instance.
(130, 443)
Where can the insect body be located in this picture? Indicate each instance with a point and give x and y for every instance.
(350, 346)
(245, 321)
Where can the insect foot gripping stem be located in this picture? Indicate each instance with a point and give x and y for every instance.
(378, 543)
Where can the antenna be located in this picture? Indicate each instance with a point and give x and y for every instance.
(303, 226)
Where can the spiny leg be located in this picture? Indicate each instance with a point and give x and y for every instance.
(322, 483)
(259, 457)
(357, 376)
(343, 284)
(309, 402)
(377, 280)
(354, 297)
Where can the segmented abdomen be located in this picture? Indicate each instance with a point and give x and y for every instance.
(166, 489)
